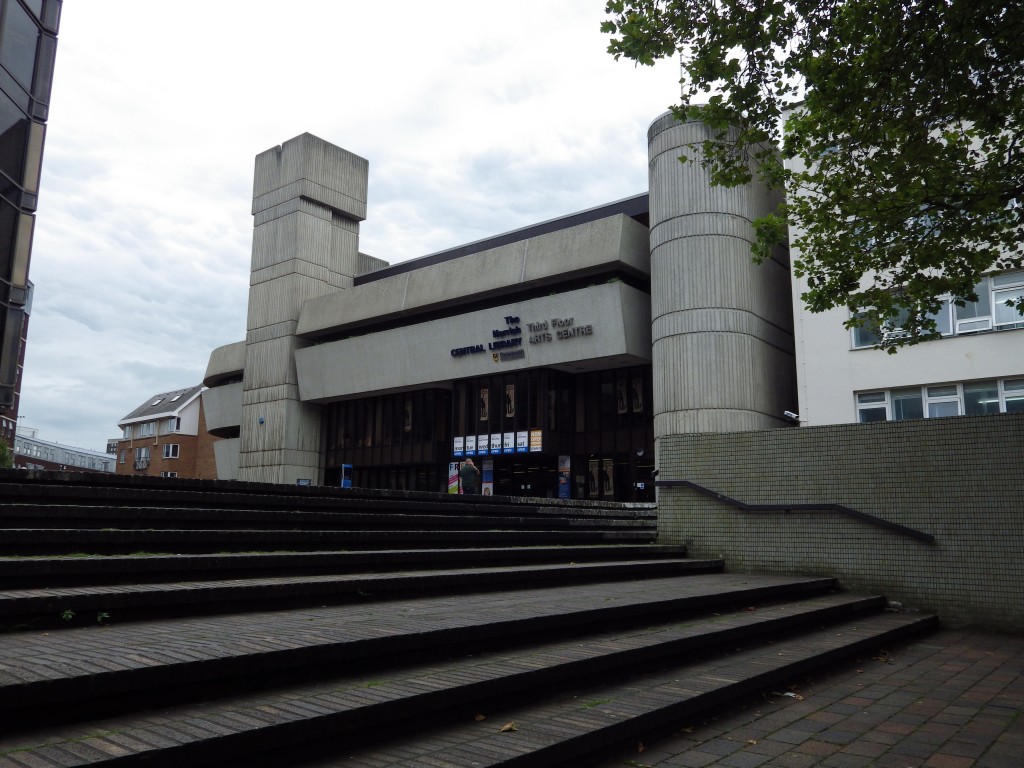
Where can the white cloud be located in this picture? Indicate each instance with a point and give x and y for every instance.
(476, 119)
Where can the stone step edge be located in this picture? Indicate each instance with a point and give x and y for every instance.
(25, 604)
(56, 690)
(504, 674)
(415, 510)
(56, 566)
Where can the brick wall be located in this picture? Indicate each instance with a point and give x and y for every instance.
(959, 479)
(206, 460)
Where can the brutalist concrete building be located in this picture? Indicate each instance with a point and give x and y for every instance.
(559, 356)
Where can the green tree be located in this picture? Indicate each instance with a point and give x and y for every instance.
(895, 125)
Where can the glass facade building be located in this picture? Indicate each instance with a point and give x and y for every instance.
(28, 45)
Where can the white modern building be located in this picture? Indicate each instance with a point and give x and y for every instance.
(977, 367)
(32, 452)
(560, 354)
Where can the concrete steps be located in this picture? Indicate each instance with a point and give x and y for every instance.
(74, 605)
(58, 570)
(243, 655)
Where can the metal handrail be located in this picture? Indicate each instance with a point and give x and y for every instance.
(829, 506)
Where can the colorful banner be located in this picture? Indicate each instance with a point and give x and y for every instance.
(487, 486)
(564, 470)
(453, 477)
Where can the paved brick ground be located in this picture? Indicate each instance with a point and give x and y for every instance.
(951, 700)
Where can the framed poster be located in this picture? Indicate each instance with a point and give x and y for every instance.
(593, 478)
(607, 478)
(637, 392)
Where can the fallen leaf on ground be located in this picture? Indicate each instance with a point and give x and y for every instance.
(507, 728)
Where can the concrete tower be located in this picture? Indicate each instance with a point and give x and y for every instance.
(722, 326)
(308, 199)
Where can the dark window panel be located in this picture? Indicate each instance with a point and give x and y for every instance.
(18, 42)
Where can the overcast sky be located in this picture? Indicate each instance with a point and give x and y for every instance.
(476, 118)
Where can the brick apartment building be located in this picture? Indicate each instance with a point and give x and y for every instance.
(166, 437)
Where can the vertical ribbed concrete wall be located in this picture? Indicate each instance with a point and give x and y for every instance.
(722, 326)
(308, 199)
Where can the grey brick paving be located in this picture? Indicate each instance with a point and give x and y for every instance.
(943, 671)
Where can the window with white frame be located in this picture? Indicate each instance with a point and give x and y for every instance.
(127, 432)
(168, 474)
(173, 424)
(171, 451)
(933, 401)
(1007, 288)
(1013, 396)
(123, 452)
(142, 454)
(989, 312)
(147, 429)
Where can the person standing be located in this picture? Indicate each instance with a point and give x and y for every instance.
(470, 477)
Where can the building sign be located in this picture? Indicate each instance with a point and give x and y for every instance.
(496, 443)
(557, 329)
(536, 440)
(458, 446)
(522, 442)
(482, 445)
(471, 445)
(506, 342)
(508, 442)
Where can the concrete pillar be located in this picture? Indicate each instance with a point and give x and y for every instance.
(722, 327)
(308, 199)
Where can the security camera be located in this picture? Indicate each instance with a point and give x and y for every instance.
(791, 416)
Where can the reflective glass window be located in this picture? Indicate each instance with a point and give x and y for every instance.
(18, 44)
(907, 404)
(1006, 315)
(981, 397)
(13, 132)
(866, 336)
(943, 408)
(1013, 391)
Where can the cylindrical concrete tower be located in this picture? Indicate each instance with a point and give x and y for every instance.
(722, 326)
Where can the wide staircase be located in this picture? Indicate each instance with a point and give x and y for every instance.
(188, 623)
